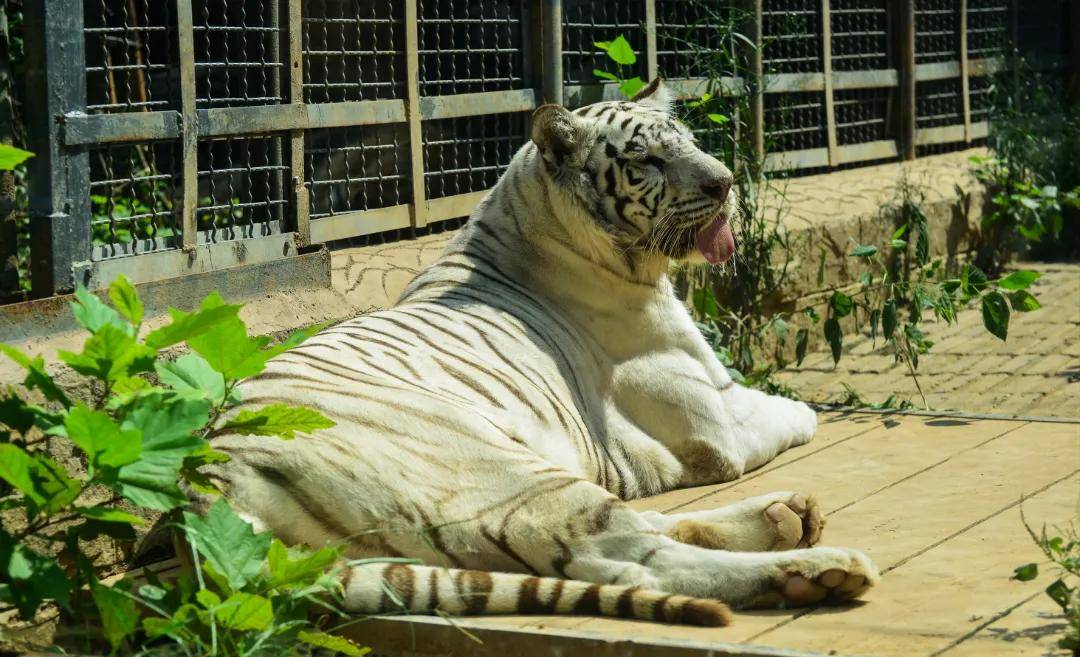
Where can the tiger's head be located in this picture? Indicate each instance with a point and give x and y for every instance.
(637, 172)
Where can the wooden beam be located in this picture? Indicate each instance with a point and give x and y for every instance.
(189, 126)
(826, 63)
(652, 68)
(299, 194)
(965, 86)
(904, 46)
(757, 92)
(413, 112)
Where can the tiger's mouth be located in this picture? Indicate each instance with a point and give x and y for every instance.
(715, 241)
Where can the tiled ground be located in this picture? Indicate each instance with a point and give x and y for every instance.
(1036, 372)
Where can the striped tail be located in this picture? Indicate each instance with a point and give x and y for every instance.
(386, 588)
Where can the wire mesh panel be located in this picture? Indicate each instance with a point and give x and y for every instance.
(938, 103)
(586, 22)
(1043, 28)
(237, 52)
(471, 46)
(694, 39)
(132, 191)
(130, 55)
(982, 92)
(359, 168)
(241, 191)
(863, 115)
(791, 36)
(795, 121)
(987, 27)
(469, 154)
(860, 40)
(353, 50)
(937, 31)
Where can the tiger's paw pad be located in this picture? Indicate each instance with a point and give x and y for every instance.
(797, 522)
(816, 581)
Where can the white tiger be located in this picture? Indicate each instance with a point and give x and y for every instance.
(538, 374)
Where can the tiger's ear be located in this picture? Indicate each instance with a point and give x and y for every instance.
(556, 132)
(655, 94)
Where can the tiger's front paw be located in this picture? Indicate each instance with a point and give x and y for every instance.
(803, 423)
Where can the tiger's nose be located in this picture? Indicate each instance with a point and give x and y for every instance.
(718, 187)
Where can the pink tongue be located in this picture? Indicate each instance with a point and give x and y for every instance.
(716, 242)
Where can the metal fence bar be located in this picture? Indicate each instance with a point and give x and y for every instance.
(827, 79)
(904, 44)
(299, 193)
(412, 106)
(59, 177)
(652, 68)
(965, 86)
(552, 59)
(189, 126)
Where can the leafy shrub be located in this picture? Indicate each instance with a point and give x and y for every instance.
(148, 424)
(1063, 551)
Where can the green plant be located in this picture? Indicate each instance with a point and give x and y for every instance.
(144, 424)
(1063, 551)
(622, 54)
(900, 283)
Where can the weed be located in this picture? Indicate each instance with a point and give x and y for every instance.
(1063, 551)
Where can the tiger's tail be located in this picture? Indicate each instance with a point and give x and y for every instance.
(377, 588)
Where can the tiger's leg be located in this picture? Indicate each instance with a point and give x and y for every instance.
(775, 521)
(581, 532)
(767, 424)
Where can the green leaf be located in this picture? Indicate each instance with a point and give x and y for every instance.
(705, 302)
(186, 326)
(192, 375)
(888, 319)
(245, 611)
(631, 86)
(801, 338)
(167, 424)
(11, 157)
(228, 349)
(290, 568)
(1023, 302)
(864, 251)
(995, 314)
(97, 434)
(781, 328)
(1019, 280)
(36, 377)
(31, 578)
(332, 642)
(1060, 593)
(604, 75)
(620, 51)
(898, 244)
(841, 304)
(719, 119)
(922, 245)
(20, 416)
(228, 543)
(972, 280)
(119, 617)
(821, 268)
(875, 321)
(835, 337)
(46, 485)
(126, 299)
(107, 514)
(110, 354)
(91, 312)
(281, 420)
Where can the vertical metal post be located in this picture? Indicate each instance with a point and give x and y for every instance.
(965, 85)
(419, 208)
(652, 69)
(189, 126)
(757, 83)
(9, 229)
(299, 194)
(59, 176)
(826, 64)
(905, 55)
(552, 52)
